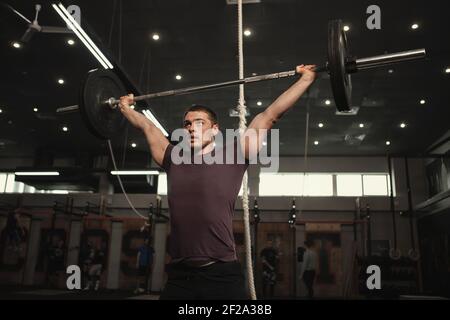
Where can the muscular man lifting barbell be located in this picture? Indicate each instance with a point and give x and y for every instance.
(204, 263)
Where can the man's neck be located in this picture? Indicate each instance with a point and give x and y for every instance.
(206, 149)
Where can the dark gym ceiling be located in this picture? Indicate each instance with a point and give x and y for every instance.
(198, 39)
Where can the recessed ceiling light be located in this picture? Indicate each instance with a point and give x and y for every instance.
(1, 110)
(391, 70)
(65, 129)
(155, 36)
(264, 143)
(35, 109)
(346, 28)
(133, 145)
(361, 125)
(327, 102)
(414, 26)
(422, 101)
(61, 81)
(388, 143)
(320, 125)
(447, 70)
(247, 32)
(259, 103)
(16, 45)
(316, 143)
(402, 125)
(178, 77)
(70, 42)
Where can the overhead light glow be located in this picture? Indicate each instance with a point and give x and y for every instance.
(247, 32)
(37, 173)
(75, 27)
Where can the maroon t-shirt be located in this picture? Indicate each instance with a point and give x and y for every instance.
(201, 203)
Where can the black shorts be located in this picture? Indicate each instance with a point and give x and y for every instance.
(218, 281)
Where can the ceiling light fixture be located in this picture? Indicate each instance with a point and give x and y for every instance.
(135, 172)
(75, 27)
(37, 173)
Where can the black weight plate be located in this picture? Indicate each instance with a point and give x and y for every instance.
(101, 120)
(341, 83)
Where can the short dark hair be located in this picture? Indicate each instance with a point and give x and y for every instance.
(211, 114)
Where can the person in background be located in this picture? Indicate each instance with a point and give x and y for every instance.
(55, 262)
(144, 261)
(308, 271)
(15, 232)
(97, 260)
(269, 260)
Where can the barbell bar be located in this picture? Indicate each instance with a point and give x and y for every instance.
(100, 89)
(359, 64)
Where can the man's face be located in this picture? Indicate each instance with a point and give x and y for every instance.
(201, 129)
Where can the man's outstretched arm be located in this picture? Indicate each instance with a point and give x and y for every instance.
(267, 118)
(155, 138)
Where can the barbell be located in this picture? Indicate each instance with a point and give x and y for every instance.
(101, 88)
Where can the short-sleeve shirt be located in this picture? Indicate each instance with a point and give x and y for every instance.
(201, 203)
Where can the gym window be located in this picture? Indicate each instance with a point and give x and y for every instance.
(376, 185)
(348, 185)
(295, 184)
(323, 184)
